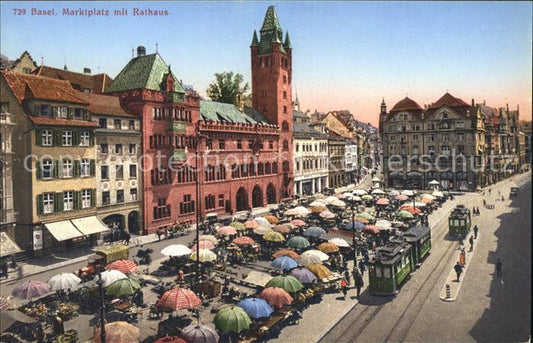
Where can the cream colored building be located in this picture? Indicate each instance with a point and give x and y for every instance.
(310, 157)
(54, 172)
(118, 168)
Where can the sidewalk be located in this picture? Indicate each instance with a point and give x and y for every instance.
(451, 281)
(39, 265)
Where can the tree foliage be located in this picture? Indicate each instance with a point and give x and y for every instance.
(226, 87)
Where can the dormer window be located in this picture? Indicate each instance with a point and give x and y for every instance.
(169, 87)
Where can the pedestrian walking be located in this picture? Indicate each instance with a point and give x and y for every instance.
(180, 276)
(344, 285)
(484, 202)
(462, 246)
(499, 272)
(503, 199)
(20, 272)
(475, 231)
(347, 277)
(471, 241)
(362, 267)
(358, 281)
(458, 270)
(462, 258)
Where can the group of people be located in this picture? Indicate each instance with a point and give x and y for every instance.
(475, 210)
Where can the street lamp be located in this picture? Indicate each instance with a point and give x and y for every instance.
(100, 284)
(198, 205)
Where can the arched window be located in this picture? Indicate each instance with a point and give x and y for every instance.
(285, 126)
(285, 145)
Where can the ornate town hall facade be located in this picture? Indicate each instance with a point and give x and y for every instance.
(241, 157)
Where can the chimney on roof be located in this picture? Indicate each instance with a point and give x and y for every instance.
(87, 71)
(473, 102)
(483, 102)
(141, 51)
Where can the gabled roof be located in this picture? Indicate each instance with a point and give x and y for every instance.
(96, 83)
(450, 101)
(406, 104)
(229, 113)
(17, 61)
(103, 104)
(27, 86)
(143, 72)
(303, 130)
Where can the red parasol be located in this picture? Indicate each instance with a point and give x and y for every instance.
(285, 252)
(125, 266)
(401, 197)
(251, 224)
(179, 299)
(226, 231)
(382, 201)
(276, 297)
(298, 222)
(373, 229)
(411, 209)
(282, 229)
(204, 245)
(170, 339)
(244, 240)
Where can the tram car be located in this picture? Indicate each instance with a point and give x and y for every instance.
(389, 268)
(419, 237)
(459, 222)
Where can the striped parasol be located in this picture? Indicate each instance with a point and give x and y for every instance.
(178, 299)
(125, 266)
(4, 304)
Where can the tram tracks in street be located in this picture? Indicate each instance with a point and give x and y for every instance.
(440, 267)
(363, 319)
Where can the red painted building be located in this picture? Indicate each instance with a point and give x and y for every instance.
(245, 154)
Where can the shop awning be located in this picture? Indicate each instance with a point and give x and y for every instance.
(90, 225)
(7, 246)
(63, 230)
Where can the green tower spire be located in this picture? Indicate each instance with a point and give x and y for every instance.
(255, 41)
(287, 43)
(271, 22)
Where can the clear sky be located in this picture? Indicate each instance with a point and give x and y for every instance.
(346, 55)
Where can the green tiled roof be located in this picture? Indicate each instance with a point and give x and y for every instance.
(270, 32)
(229, 113)
(144, 72)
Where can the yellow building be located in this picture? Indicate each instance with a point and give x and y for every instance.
(54, 168)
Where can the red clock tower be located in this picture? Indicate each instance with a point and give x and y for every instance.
(272, 86)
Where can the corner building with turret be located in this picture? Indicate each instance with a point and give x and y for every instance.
(241, 157)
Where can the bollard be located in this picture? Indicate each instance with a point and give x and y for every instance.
(448, 295)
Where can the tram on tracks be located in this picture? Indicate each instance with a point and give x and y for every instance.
(393, 263)
(420, 239)
(459, 222)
